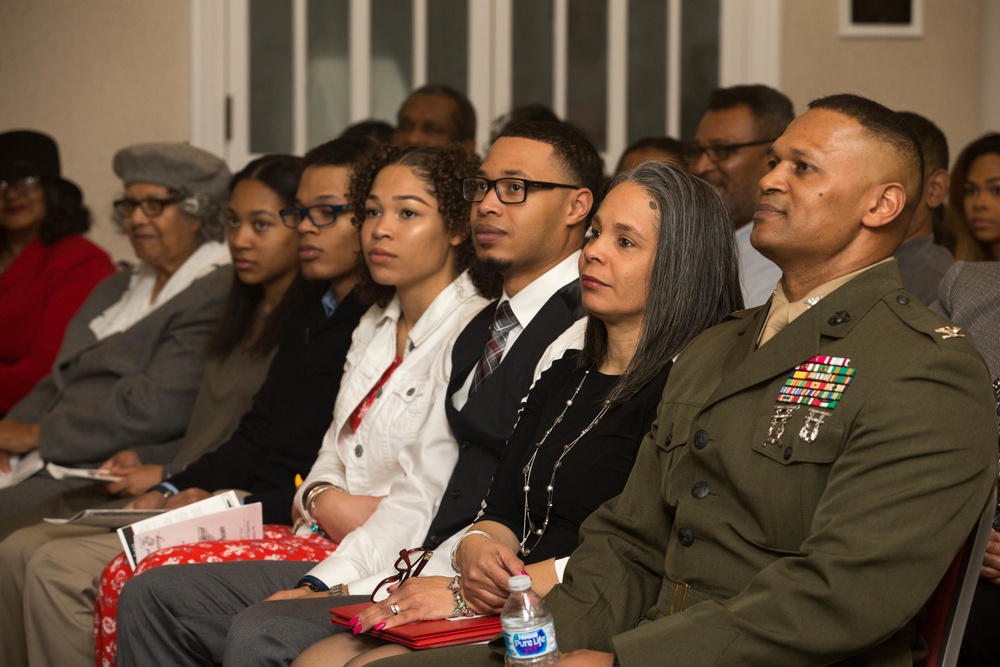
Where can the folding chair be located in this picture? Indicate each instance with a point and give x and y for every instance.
(947, 611)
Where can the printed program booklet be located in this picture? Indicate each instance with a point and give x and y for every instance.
(220, 517)
(21, 468)
(96, 474)
(111, 518)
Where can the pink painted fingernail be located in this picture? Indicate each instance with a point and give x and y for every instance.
(380, 626)
(524, 572)
(354, 621)
(357, 629)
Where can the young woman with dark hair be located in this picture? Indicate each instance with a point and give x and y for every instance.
(974, 200)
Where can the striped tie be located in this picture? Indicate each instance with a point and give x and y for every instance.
(503, 322)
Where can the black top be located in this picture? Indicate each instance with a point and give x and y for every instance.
(483, 424)
(281, 434)
(595, 469)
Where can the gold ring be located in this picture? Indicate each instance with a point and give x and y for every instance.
(394, 609)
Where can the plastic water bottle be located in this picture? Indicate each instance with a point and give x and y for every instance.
(528, 630)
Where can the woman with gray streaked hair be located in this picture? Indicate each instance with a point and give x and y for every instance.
(132, 357)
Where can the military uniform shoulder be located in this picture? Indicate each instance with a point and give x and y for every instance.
(741, 314)
(946, 334)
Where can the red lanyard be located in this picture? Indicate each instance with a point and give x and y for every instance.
(362, 409)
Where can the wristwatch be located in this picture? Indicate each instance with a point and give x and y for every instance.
(312, 583)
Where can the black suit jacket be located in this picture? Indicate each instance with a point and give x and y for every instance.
(483, 424)
(284, 429)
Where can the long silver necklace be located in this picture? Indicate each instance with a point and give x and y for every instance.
(528, 527)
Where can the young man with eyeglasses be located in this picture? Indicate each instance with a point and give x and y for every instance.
(530, 231)
(729, 151)
(47, 594)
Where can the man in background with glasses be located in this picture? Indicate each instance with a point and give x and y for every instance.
(434, 115)
(730, 153)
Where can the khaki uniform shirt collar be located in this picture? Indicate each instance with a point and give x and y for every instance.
(783, 312)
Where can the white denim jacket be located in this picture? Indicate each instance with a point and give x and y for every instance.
(404, 449)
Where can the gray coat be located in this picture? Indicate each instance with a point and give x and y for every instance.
(970, 295)
(132, 390)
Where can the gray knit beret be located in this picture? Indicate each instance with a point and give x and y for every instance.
(174, 165)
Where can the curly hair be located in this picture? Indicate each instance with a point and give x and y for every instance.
(442, 168)
(65, 213)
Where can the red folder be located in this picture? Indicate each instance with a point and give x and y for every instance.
(426, 634)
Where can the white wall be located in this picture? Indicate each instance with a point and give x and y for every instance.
(101, 74)
(96, 75)
(990, 59)
(939, 76)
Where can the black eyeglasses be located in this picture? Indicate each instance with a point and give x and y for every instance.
(409, 564)
(509, 190)
(151, 206)
(26, 185)
(718, 152)
(320, 215)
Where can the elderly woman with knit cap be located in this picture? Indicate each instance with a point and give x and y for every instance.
(47, 268)
(129, 365)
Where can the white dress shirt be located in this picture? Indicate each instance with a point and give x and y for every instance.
(526, 305)
(758, 274)
(403, 449)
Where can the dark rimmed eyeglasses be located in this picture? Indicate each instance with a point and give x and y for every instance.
(26, 185)
(151, 206)
(321, 215)
(410, 563)
(509, 190)
(718, 152)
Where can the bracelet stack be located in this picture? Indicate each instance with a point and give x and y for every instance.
(309, 503)
(461, 606)
(314, 493)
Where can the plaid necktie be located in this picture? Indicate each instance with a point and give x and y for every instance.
(503, 322)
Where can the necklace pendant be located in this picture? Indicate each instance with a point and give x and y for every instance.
(527, 488)
(539, 531)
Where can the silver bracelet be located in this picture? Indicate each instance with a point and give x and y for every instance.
(454, 549)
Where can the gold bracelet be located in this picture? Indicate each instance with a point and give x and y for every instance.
(314, 493)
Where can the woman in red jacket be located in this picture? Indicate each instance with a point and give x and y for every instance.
(47, 268)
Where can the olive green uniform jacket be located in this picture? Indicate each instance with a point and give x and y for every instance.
(794, 552)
